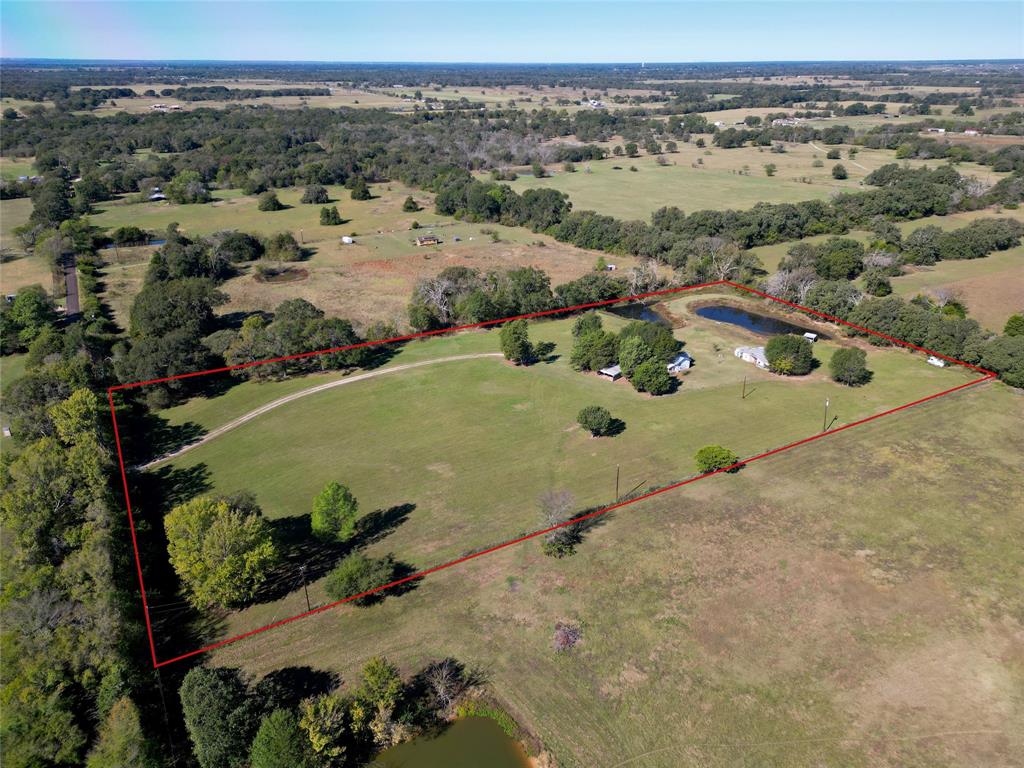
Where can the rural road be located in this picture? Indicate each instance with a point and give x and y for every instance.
(303, 393)
(850, 161)
(72, 307)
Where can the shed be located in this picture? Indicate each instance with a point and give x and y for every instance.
(811, 337)
(612, 373)
(428, 240)
(682, 362)
(753, 355)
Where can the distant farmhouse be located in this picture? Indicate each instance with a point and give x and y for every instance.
(753, 355)
(428, 240)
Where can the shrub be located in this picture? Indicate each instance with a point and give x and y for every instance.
(595, 419)
(515, 342)
(360, 190)
(839, 171)
(832, 154)
(848, 366)
(789, 355)
(714, 457)
(410, 205)
(567, 636)
(315, 194)
(268, 202)
(329, 217)
(476, 708)
(877, 283)
(652, 376)
(358, 573)
(1014, 326)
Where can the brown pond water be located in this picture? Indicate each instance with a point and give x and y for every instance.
(472, 742)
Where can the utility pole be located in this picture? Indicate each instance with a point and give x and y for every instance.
(616, 482)
(744, 388)
(824, 421)
(302, 570)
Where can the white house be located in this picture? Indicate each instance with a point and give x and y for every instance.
(612, 373)
(753, 355)
(938, 362)
(682, 362)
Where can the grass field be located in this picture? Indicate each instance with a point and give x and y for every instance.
(714, 178)
(855, 602)
(12, 368)
(13, 167)
(471, 444)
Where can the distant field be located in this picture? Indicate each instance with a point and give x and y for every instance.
(714, 178)
(13, 167)
(370, 280)
(12, 368)
(867, 623)
(992, 287)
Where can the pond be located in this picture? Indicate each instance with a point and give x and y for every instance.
(467, 743)
(638, 311)
(751, 321)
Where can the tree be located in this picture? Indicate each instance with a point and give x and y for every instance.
(360, 190)
(632, 150)
(1005, 356)
(633, 352)
(585, 323)
(659, 338)
(1014, 326)
(187, 187)
(51, 202)
(594, 350)
(714, 457)
(326, 722)
(848, 366)
(556, 508)
(652, 376)
(381, 684)
(839, 171)
(789, 355)
(283, 247)
(315, 194)
(356, 574)
(832, 154)
(221, 552)
(876, 282)
(410, 205)
(279, 742)
(515, 342)
(538, 170)
(595, 419)
(121, 742)
(10, 113)
(839, 258)
(219, 716)
(769, 169)
(30, 313)
(329, 217)
(335, 510)
(268, 202)
(237, 247)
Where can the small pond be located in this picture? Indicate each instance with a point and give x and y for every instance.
(637, 311)
(467, 743)
(751, 321)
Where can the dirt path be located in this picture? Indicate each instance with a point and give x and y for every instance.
(72, 307)
(303, 393)
(849, 160)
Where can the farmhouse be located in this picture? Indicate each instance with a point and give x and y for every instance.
(682, 362)
(613, 373)
(428, 240)
(753, 355)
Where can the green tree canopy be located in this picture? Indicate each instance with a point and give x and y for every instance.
(279, 742)
(595, 419)
(220, 717)
(315, 194)
(849, 366)
(789, 355)
(121, 742)
(358, 573)
(221, 552)
(652, 376)
(335, 511)
(515, 342)
(713, 457)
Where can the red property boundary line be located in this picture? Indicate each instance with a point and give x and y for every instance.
(986, 376)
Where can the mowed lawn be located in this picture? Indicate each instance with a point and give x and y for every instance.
(473, 443)
(852, 602)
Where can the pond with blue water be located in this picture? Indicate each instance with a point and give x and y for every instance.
(762, 325)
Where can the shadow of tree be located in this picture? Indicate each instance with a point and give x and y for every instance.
(176, 485)
(301, 550)
(285, 688)
(615, 427)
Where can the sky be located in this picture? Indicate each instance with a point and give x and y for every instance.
(512, 30)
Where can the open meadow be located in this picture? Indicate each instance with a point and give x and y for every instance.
(712, 178)
(460, 450)
(854, 602)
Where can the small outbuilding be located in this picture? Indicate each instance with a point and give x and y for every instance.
(753, 355)
(811, 337)
(428, 240)
(613, 373)
(938, 362)
(682, 362)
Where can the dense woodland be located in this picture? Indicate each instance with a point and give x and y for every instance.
(77, 684)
